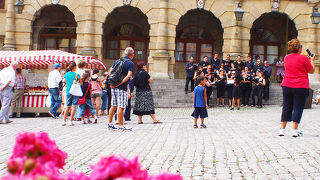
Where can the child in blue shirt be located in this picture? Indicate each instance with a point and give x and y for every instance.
(200, 102)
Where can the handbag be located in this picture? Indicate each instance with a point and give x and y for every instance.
(76, 89)
(83, 99)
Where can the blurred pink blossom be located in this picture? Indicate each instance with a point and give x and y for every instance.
(113, 167)
(166, 176)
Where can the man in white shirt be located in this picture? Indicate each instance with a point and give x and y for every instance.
(7, 82)
(54, 79)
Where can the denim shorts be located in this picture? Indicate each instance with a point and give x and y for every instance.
(72, 100)
(200, 111)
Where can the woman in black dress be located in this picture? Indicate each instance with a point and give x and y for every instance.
(221, 86)
(144, 98)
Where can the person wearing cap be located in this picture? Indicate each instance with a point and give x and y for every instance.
(18, 94)
(54, 80)
(7, 82)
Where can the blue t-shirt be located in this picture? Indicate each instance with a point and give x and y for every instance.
(70, 77)
(199, 97)
(127, 66)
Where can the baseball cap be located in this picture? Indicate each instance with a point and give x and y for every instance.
(56, 65)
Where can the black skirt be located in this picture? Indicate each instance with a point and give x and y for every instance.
(143, 103)
(236, 92)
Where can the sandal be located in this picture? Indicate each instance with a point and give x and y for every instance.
(140, 122)
(157, 122)
(84, 122)
(195, 126)
(203, 126)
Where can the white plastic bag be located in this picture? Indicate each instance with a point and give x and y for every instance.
(48, 101)
(76, 90)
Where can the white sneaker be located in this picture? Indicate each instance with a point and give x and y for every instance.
(296, 133)
(71, 123)
(64, 123)
(281, 132)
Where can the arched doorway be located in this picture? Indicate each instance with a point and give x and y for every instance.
(126, 26)
(198, 34)
(54, 28)
(269, 36)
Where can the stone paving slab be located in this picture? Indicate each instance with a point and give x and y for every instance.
(236, 145)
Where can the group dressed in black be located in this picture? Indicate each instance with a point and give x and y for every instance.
(235, 80)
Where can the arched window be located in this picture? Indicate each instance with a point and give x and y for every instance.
(269, 35)
(265, 44)
(123, 36)
(61, 36)
(2, 4)
(193, 41)
(198, 34)
(55, 28)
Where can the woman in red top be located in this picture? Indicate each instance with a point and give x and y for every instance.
(295, 86)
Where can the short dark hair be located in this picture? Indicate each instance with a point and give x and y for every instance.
(140, 64)
(18, 70)
(200, 78)
(81, 64)
(95, 71)
(71, 66)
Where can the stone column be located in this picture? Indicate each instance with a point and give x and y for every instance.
(309, 39)
(10, 40)
(236, 33)
(161, 57)
(88, 40)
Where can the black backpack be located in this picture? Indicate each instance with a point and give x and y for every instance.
(116, 75)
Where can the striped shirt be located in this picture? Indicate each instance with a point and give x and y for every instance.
(21, 82)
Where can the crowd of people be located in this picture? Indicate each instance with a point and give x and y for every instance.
(236, 81)
(99, 96)
(86, 94)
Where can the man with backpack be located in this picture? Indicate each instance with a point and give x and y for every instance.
(119, 77)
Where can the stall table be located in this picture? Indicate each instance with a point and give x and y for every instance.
(35, 101)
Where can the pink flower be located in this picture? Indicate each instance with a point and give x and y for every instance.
(38, 146)
(76, 176)
(113, 167)
(166, 176)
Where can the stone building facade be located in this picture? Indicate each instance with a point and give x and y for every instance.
(164, 33)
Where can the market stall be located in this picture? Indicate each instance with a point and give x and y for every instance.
(36, 65)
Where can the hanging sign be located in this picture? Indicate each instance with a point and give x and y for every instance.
(55, 1)
(275, 5)
(200, 4)
(126, 2)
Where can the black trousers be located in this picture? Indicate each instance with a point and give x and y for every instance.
(246, 92)
(188, 79)
(209, 92)
(294, 100)
(127, 112)
(266, 89)
(230, 91)
(257, 91)
(109, 99)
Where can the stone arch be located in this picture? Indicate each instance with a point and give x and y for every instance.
(269, 35)
(129, 25)
(199, 26)
(54, 24)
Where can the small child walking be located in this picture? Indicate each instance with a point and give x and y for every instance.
(86, 90)
(200, 102)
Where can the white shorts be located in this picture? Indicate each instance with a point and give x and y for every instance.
(119, 98)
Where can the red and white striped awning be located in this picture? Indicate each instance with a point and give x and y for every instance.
(43, 58)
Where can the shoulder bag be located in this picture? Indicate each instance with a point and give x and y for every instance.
(83, 99)
(76, 88)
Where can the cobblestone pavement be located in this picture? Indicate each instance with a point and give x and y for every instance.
(236, 145)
